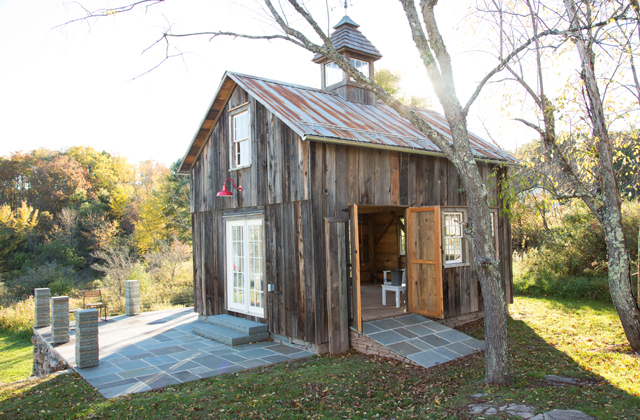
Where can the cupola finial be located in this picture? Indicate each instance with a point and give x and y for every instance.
(345, 7)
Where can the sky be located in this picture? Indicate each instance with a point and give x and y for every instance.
(89, 83)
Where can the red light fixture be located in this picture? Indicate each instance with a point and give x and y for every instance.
(225, 192)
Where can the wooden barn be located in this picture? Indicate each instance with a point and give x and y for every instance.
(336, 190)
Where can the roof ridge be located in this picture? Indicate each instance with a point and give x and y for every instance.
(280, 82)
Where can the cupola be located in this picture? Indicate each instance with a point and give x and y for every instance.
(361, 53)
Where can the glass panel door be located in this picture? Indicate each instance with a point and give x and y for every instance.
(245, 266)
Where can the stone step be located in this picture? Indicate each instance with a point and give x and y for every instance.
(240, 325)
(227, 336)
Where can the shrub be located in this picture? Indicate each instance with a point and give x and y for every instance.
(42, 276)
(17, 316)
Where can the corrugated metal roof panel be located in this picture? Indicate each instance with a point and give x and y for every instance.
(311, 112)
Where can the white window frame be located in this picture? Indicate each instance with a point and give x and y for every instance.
(453, 232)
(236, 143)
(245, 264)
(335, 70)
(360, 65)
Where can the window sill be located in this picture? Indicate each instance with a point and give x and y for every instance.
(459, 264)
(237, 168)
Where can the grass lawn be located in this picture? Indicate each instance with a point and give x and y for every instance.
(16, 357)
(546, 336)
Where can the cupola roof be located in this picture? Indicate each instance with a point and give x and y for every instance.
(347, 37)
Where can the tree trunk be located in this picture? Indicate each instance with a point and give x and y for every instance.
(497, 369)
(620, 279)
(609, 213)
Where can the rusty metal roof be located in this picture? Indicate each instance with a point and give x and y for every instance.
(347, 37)
(321, 116)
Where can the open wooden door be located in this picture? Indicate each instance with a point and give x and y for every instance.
(424, 261)
(355, 266)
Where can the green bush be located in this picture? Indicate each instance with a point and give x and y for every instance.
(43, 275)
(575, 245)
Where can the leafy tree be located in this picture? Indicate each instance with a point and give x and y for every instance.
(390, 81)
(16, 229)
(584, 161)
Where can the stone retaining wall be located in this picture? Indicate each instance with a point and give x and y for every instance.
(45, 359)
(456, 321)
(364, 344)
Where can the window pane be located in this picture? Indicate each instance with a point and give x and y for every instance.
(333, 74)
(244, 156)
(453, 237)
(361, 66)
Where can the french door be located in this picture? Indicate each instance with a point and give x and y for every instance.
(245, 266)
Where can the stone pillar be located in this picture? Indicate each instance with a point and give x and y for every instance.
(60, 319)
(132, 297)
(87, 349)
(43, 308)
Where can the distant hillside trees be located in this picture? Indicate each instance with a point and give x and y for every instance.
(62, 211)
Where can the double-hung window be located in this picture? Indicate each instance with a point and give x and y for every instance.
(245, 266)
(453, 237)
(241, 142)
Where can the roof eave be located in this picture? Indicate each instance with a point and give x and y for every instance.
(182, 169)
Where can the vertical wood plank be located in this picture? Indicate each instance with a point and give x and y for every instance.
(394, 176)
(338, 328)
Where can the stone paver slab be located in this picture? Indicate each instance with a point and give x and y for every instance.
(119, 391)
(277, 358)
(185, 376)
(434, 340)
(452, 335)
(411, 319)
(133, 364)
(256, 353)
(387, 324)
(252, 363)
(282, 349)
(168, 350)
(387, 337)
(447, 353)
(178, 366)
(159, 380)
(461, 349)
(138, 372)
(114, 384)
(404, 348)
(212, 362)
(428, 358)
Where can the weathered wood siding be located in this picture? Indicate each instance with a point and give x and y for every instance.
(279, 163)
(295, 185)
(380, 177)
(277, 184)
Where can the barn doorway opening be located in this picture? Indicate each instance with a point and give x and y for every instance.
(378, 245)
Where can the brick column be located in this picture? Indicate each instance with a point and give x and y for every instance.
(132, 297)
(60, 319)
(87, 349)
(43, 308)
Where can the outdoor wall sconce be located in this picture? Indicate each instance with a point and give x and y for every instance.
(225, 192)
